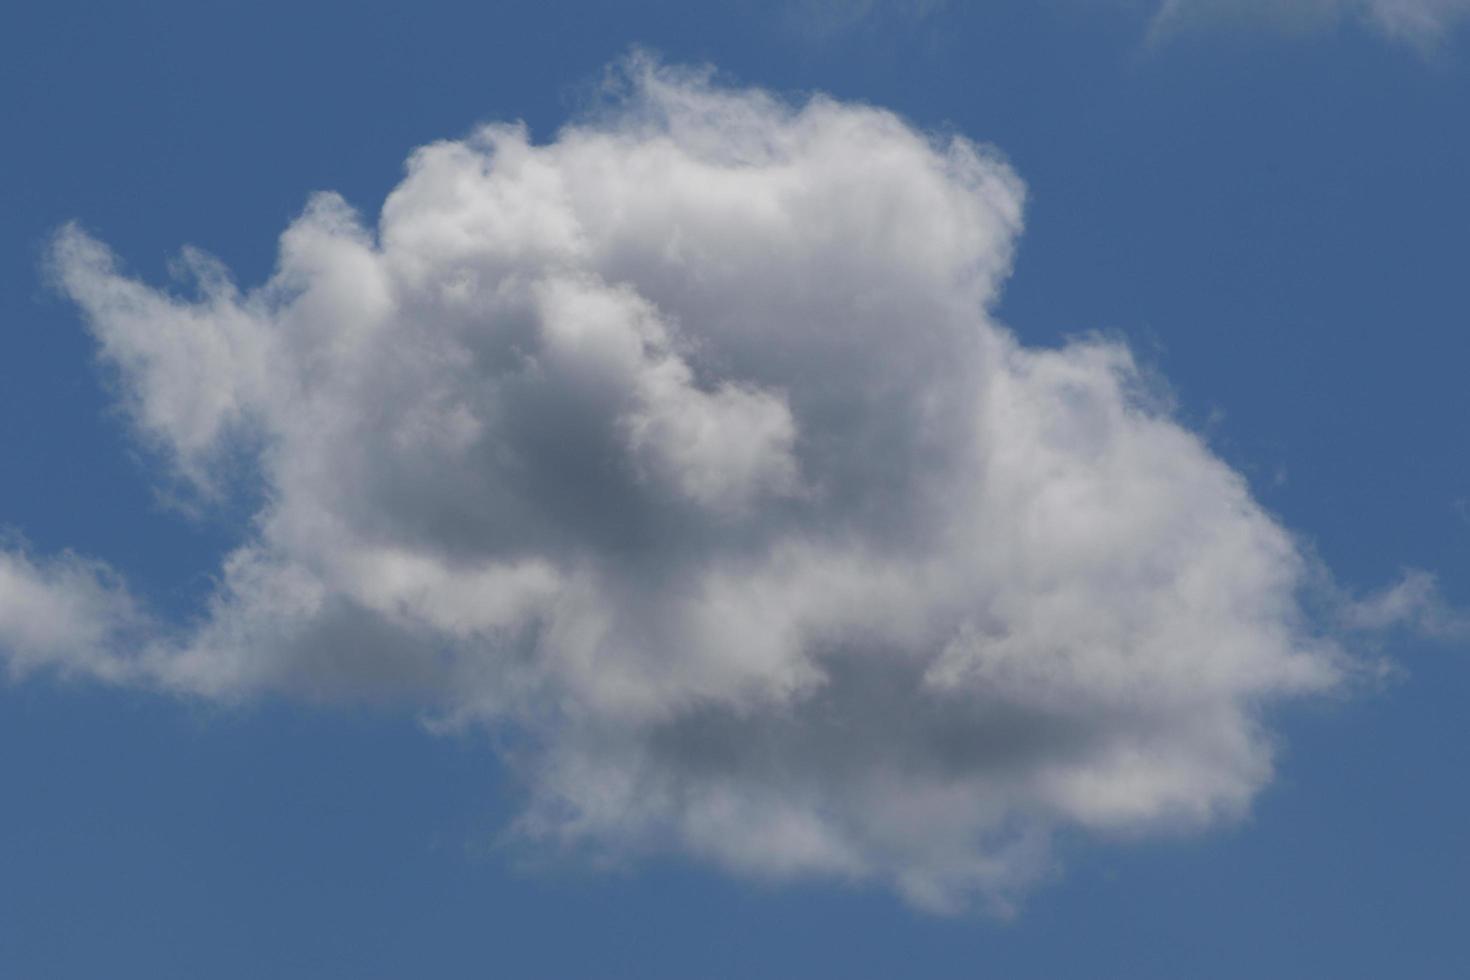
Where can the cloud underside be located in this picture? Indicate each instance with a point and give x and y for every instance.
(683, 448)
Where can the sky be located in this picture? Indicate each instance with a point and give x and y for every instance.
(823, 487)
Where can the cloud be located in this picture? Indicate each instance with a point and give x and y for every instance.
(1423, 23)
(683, 448)
(1414, 603)
(65, 614)
(820, 19)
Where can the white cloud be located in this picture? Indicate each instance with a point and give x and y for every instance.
(67, 614)
(1414, 603)
(684, 447)
(1422, 23)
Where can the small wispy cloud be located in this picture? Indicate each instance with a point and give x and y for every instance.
(825, 19)
(1414, 603)
(1423, 24)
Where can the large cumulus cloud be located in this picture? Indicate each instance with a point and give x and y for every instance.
(683, 447)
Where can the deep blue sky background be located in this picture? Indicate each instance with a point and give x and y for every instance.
(1278, 223)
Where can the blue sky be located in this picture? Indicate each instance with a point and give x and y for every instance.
(1267, 210)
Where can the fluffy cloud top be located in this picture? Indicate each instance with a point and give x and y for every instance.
(683, 447)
